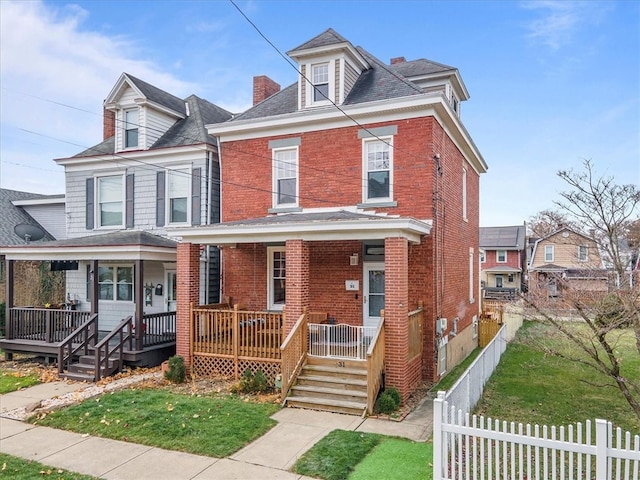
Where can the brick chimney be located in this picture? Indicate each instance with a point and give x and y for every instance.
(263, 87)
(398, 60)
(108, 124)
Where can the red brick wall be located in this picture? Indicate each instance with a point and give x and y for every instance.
(513, 259)
(188, 289)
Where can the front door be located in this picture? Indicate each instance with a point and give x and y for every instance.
(373, 293)
(499, 281)
(170, 282)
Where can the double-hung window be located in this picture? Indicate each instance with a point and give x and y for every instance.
(501, 256)
(110, 201)
(320, 80)
(178, 195)
(131, 123)
(276, 288)
(583, 253)
(285, 177)
(378, 166)
(548, 253)
(115, 282)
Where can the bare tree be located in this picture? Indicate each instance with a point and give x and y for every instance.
(546, 222)
(607, 213)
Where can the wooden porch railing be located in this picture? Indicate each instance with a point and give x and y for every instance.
(158, 328)
(375, 364)
(294, 353)
(78, 342)
(43, 324)
(112, 344)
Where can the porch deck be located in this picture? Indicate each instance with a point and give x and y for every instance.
(42, 331)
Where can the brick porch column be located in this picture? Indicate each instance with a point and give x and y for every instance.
(297, 257)
(188, 291)
(396, 308)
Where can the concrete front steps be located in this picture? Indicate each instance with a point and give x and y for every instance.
(331, 384)
(84, 369)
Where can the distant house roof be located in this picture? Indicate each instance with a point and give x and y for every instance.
(503, 238)
(12, 215)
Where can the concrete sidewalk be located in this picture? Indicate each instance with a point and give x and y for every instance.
(269, 457)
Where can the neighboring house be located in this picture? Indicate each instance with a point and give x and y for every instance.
(157, 167)
(564, 263)
(34, 215)
(503, 260)
(353, 190)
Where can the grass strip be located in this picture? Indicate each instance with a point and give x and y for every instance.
(17, 468)
(337, 454)
(452, 377)
(215, 426)
(396, 459)
(10, 381)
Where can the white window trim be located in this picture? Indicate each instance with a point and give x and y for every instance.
(96, 201)
(365, 169)
(124, 128)
(114, 268)
(309, 90)
(274, 178)
(471, 277)
(586, 256)
(552, 253)
(483, 257)
(498, 256)
(464, 194)
(171, 170)
(270, 252)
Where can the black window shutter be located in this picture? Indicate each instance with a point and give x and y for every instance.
(89, 204)
(129, 201)
(195, 196)
(160, 188)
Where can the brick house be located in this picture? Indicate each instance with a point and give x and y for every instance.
(503, 260)
(353, 192)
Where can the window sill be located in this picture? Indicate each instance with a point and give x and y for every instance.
(284, 209)
(377, 204)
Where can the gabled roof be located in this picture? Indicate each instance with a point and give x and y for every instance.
(326, 38)
(12, 215)
(151, 93)
(503, 238)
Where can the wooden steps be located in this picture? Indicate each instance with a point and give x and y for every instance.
(332, 385)
(84, 369)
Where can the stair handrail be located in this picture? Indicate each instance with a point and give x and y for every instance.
(103, 352)
(90, 335)
(375, 364)
(294, 354)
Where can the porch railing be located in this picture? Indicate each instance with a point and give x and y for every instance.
(110, 346)
(342, 341)
(158, 328)
(43, 324)
(375, 364)
(294, 353)
(78, 342)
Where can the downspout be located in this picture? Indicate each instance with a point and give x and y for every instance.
(220, 217)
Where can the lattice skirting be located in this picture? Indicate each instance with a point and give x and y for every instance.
(208, 366)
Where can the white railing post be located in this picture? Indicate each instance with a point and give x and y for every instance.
(601, 449)
(438, 437)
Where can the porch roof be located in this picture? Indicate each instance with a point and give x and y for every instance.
(120, 245)
(308, 226)
(499, 269)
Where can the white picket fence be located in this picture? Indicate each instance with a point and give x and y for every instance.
(467, 391)
(469, 447)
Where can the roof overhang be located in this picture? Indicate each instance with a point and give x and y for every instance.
(502, 270)
(271, 230)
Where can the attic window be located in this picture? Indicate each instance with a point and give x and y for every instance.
(131, 123)
(320, 80)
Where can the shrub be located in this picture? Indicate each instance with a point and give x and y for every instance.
(395, 394)
(176, 373)
(385, 403)
(250, 383)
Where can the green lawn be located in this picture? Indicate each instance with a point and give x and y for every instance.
(15, 468)
(11, 381)
(532, 386)
(216, 426)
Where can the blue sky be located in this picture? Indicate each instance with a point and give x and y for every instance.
(551, 82)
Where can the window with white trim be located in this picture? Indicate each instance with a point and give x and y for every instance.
(115, 282)
(378, 168)
(482, 257)
(583, 253)
(110, 201)
(276, 276)
(320, 81)
(501, 256)
(178, 181)
(548, 253)
(472, 286)
(285, 177)
(131, 124)
(464, 193)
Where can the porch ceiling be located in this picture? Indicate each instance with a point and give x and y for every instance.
(126, 245)
(315, 226)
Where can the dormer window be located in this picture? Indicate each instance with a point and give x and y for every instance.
(320, 79)
(131, 123)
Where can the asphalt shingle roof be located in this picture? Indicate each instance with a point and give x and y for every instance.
(158, 95)
(10, 216)
(328, 37)
(116, 239)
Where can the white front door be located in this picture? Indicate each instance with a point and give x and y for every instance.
(373, 293)
(171, 292)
